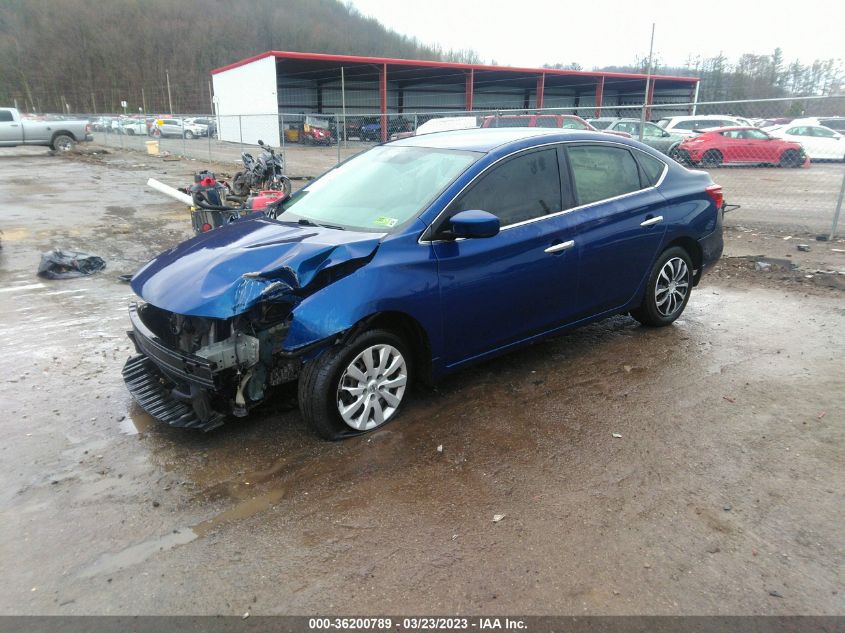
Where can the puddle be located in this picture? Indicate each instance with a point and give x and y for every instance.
(137, 421)
(135, 554)
(140, 552)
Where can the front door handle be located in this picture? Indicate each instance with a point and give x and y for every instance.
(652, 221)
(563, 246)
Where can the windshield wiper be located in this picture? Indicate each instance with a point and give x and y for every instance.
(307, 222)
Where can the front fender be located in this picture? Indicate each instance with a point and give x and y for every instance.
(401, 277)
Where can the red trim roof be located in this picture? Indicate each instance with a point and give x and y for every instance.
(353, 59)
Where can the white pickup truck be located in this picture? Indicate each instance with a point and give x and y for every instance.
(58, 134)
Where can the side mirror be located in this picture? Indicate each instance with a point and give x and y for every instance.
(261, 143)
(474, 224)
(665, 133)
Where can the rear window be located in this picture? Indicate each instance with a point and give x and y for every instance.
(601, 172)
(511, 121)
(546, 121)
(652, 167)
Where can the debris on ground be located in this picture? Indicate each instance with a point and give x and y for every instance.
(440, 448)
(617, 435)
(498, 517)
(804, 248)
(775, 594)
(57, 264)
(729, 399)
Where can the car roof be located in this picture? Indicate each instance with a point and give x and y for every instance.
(488, 139)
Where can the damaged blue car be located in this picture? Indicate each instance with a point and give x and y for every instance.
(411, 260)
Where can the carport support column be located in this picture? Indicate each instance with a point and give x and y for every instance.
(470, 82)
(382, 89)
(541, 86)
(649, 99)
(599, 96)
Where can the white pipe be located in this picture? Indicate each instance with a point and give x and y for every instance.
(170, 191)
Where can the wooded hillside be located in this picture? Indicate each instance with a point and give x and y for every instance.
(94, 53)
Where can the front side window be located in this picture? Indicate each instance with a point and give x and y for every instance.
(522, 188)
(798, 131)
(574, 124)
(601, 172)
(6, 116)
(652, 130)
(822, 132)
(379, 189)
(756, 135)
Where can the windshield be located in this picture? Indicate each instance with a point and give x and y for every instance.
(315, 122)
(379, 189)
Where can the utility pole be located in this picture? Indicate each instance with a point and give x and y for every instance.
(210, 96)
(169, 97)
(143, 100)
(647, 83)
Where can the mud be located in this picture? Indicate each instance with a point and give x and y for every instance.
(726, 484)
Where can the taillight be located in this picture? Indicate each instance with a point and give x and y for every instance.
(88, 129)
(715, 193)
(206, 227)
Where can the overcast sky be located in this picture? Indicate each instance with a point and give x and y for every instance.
(606, 32)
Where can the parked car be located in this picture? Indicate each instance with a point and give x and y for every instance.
(59, 135)
(740, 145)
(836, 123)
(564, 121)
(692, 125)
(182, 128)
(819, 142)
(134, 127)
(210, 125)
(653, 136)
(484, 241)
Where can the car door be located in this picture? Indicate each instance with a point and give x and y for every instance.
(618, 226)
(11, 132)
(503, 289)
(826, 143)
(654, 137)
(732, 146)
(761, 147)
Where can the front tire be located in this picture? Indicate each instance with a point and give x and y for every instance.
(189, 135)
(712, 158)
(667, 289)
(357, 387)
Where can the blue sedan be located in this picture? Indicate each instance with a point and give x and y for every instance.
(412, 260)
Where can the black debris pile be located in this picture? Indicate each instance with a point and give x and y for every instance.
(58, 264)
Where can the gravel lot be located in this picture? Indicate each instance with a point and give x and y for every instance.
(723, 495)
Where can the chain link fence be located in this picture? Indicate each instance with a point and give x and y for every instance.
(773, 156)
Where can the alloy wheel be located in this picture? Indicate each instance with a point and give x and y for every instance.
(672, 286)
(371, 387)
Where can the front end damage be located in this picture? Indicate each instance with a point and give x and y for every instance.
(193, 372)
(210, 337)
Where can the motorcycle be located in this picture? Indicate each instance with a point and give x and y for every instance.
(212, 207)
(261, 174)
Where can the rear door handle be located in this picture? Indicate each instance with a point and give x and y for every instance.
(563, 246)
(652, 221)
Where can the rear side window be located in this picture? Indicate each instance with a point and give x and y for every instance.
(652, 167)
(522, 188)
(823, 132)
(5, 116)
(602, 172)
(511, 121)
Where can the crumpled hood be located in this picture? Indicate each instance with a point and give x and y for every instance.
(204, 276)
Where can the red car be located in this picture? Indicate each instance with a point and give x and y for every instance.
(565, 121)
(740, 145)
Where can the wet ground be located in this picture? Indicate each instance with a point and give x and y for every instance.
(687, 470)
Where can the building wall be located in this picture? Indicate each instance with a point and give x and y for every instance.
(246, 101)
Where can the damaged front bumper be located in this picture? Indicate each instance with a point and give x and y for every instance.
(200, 389)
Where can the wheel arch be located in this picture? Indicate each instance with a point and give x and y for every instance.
(405, 327)
(59, 133)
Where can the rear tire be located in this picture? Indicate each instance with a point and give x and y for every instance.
(339, 380)
(63, 143)
(667, 289)
(712, 158)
